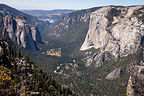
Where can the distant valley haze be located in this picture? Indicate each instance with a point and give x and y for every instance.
(66, 4)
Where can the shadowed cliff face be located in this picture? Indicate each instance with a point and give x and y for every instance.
(116, 30)
(36, 34)
(135, 84)
(18, 30)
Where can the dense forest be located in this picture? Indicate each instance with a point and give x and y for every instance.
(20, 76)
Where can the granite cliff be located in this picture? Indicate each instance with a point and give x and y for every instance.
(115, 31)
(16, 28)
(113, 44)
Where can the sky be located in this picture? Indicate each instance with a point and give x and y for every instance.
(67, 4)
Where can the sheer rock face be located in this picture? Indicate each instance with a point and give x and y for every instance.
(9, 25)
(135, 84)
(24, 34)
(116, 30)
(18, 30)
(117, 73)
(36, 34)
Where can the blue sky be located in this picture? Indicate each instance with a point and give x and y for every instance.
(67, 4)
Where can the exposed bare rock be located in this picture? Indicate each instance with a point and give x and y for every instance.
(54, 52)
(1, 50)
(9, 26)
(15, 27)
(130, 90)
(117, 73)
(69, 21)
(89, 62)
(18, 30)
(116, 30)
(36, 34)
(23, 34)
(135, 84)
(101, 57)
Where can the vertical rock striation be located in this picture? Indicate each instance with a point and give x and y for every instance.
(116, 30)
(18, 30)
(36, 34)
(24, 34)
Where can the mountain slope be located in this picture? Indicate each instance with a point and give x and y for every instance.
(69, 22)
(116, 31)
(70, 31)
(15, 27)
(9, 10)
(19, 75)
(48, 15)
(113, 44)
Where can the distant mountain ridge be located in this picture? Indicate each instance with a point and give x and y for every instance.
(46, 12)
(72, 28)
(31, 19)
(49, 15)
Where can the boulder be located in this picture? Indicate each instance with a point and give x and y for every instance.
(117, 73)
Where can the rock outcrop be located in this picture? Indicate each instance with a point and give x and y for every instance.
(24, 34)
(135, 84)
(54, 52)
(17, 29)
(116, 30)
(36, 34)
(117, 73)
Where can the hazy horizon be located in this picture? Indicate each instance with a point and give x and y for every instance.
(66, 4)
